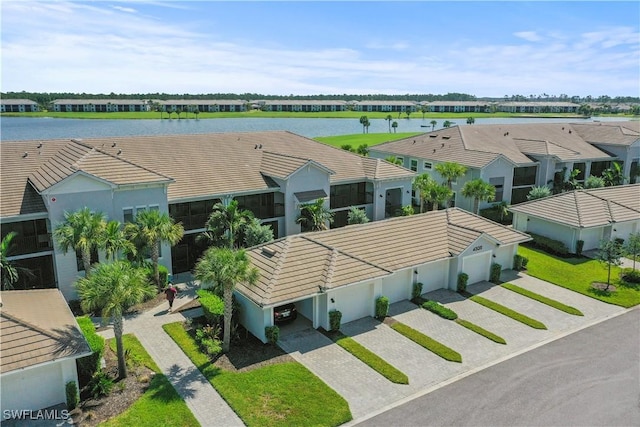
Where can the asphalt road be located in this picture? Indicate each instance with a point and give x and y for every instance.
(589, 378)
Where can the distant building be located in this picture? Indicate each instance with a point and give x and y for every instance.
(18, 106)
(100, 105)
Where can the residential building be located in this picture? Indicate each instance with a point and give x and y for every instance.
(386, 106)
(203, 105)
(307, 106)
(40, 341)
(270, 173)
(18, 106)
(512, 157)
(347, 269)
(536, 107)
(100, 105)
(587, 215)
(458, 106)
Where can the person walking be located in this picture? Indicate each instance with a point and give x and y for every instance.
(171, 293)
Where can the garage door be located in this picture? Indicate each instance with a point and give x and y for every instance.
(477, 267)
(33, 389)
(398, 286)
(354, 302)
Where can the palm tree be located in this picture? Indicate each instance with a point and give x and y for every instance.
(114, 241)
(226, 225)
(82, 231)
(9, 271)
(314, 216)
(363, 120)
(394, 125)
(431, 191)
(422, 183)
(470, 120)
(538, 193)
(424, 109)
(613, 175)
(154, 228)
(388, 119)
(394, 160)
(450, 171)
(446, 124)
(478, 190)
(363, 150)
(112, 289)
(221, 269)
(433, 124)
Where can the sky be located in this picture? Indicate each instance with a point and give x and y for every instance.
(486, 49)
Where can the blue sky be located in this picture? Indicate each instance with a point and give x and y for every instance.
(337, 47)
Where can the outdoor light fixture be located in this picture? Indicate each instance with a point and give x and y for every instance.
(333, 301)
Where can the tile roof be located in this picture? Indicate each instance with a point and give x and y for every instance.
(277, 165)
(299, 266)
(587, 208)
(202, 165)
(308, 196)
(17, 102)
(478, 145)
(609, 133)
(37, 326)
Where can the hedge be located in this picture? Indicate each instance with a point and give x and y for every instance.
(440, 310)
(212, 306)
(550, 245)
(88, 365)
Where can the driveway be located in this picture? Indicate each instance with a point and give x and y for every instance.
(368, 392)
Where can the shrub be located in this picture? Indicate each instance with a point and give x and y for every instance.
(100, 384)
(164, 275)
(579, 247)
(335, 317)
(630, 275)
(74, 306)
(619, 241)
(463, 278)
(496, 269)
(71, 390)
(525, 262)
(416, 292)
(208, 338)
(550, 245)
(382, 307)
(518, 262)
(440, 310)
(272, 333)
(88, 365)
(212, 306)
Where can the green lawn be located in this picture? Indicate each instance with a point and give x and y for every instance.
(355, 140)
(577, 274)
(160, 405)
(285, 394)
(541, 298)
(429, 343)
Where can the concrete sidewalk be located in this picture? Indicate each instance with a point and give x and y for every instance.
(202, 399)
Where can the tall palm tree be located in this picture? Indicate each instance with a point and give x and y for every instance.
(450, 171)
(221, 269)
(315, 216)
(114, 241)
(82, 231)
(478, 190)
(394, 125)
(363, 121)
(422, 183)
(154, 228)
(446, 124)
(433, 124)
(388, 119)
(226, 225)
(112, 289)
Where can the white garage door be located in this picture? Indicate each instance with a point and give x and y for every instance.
(398, 286)
(433, 276)
(354, 302)
(477, 267)
(33, 389)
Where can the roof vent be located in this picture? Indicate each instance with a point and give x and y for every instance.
(119, 152)
(260, 147)
(40, 145)
(446, 137)
(442, 146)
(434, 150)
(569, 130)
(433, 135)
(25, 154)
(113, 145)
(256, 147)
(268, 251)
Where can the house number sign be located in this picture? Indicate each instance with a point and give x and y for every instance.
(477, 248)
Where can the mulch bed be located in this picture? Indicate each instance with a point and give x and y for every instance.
(602, 287)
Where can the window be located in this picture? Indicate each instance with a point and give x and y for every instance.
(524, 176)
(598, 167)
(127, 213)
(414, 165)
(427, 165)
(582, 167)
(498, 183)
(345, 195)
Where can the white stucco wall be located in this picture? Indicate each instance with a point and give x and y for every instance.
(553, 230)
(354, 301)
(434, 275)
(308, 178)
(591, 237)
(253, 317)
(397, 287)
(500, 168)
(504, 255)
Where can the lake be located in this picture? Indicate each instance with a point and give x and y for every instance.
(30, 128)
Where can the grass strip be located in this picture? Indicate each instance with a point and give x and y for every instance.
(160, 405)
(427, 342)
(440, 310)
(285, 394)
(540, 298)
(481, 331)
(372, 360)
(508, 312)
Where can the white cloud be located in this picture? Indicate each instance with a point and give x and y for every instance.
(531, 36)
(125, 9)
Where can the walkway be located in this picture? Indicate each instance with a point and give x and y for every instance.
(202, 399)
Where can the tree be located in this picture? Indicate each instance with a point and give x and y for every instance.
(408, 112)
(112, 289)
(632, 247)
(610, 253)
(394, 125)
(446, 124)
(538, 193)
(430, 191)
(613, 175)
(407, 210)
(221, 269)
(154, 228)
(114, 241)
(314, 216)
(470, 120)
(594, 182)
(226, 225)
(363, 121)
(450, 171)
(9, 271)
(196, 112)
(81, 231)
(394, 160)
(434, 123)
(478, 190)
(366, 124)
(389, 119)
(357, 216)
(424, 109)
(347, 147)
(363, 150)
(256, 233)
